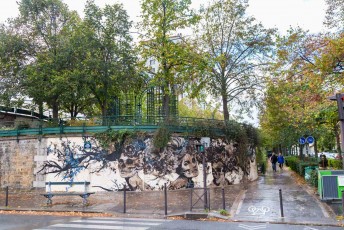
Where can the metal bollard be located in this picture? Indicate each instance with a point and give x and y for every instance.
(343, 202)
(223, 199)
(165, 188)
(6, 201)
(281, 202)
(191, 191)
(125, 199)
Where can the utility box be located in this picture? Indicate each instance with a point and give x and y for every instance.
(308, 172)
(330, 184)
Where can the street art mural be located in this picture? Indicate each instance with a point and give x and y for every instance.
(138, 165)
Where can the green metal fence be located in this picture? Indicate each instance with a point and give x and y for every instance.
(101, 124)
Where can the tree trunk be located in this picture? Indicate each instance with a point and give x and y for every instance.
(40, 110)
(315, 148)
(55, 108)
(225, 107)
(104, 113)
(166, 106)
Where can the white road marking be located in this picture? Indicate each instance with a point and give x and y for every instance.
(114, 222)
(258, 210)
(125, 219)
(93, 226)
(109, 223)
(237, 204)
(252, 227)
(309, 228)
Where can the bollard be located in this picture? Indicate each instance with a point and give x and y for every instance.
(343, 202)
(205, 182)
(191, 191)
(281, 202)
(6, 201)
(165, 199)
(223, 199)
(125, 199)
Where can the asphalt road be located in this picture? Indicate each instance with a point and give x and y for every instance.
(26, 222)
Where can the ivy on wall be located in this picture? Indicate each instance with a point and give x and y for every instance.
(161, 137)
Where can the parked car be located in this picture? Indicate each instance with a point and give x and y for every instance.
(338, 157)
(329, 155)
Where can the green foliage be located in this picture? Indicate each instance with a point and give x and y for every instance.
(112, 136)
(161, 137)
(160, 20)
(335, 164)
(313, 180)
(224, 212)
(193, 108)
(232, 50)
(293, 163)
(110, 59)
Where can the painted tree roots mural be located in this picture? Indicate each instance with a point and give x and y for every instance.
(132, 160)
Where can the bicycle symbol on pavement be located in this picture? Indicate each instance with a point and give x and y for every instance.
(258, 211)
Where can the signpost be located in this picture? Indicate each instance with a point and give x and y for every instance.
(339, 97)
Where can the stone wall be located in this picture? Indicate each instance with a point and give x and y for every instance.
(17, 162)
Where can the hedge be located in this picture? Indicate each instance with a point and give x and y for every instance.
(297, 165)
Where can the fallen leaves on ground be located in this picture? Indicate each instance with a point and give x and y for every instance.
(41, 213)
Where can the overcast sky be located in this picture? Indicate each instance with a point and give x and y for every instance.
(308, 14)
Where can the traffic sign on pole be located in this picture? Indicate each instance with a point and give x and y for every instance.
(310, 140)
(302, 140)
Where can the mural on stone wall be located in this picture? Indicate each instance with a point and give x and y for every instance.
(140, 166)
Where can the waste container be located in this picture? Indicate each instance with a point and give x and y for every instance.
(330, 184)
(308, 172)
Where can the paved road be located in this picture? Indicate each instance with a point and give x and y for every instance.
(77, 223)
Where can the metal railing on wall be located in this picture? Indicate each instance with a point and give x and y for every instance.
(101, 124)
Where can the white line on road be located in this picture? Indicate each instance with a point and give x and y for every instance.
(134, 219)
(252, 227)
(93, 226)
(309, 228)
(114, 222)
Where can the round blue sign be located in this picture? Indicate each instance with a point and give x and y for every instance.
(310, 140)
(302, 140)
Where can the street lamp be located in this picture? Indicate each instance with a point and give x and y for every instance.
(205, 142)
(339, 97)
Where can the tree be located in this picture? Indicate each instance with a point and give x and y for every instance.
(296, 101)
(13, 58)
(335, 14)
(110, 63)
(161, 20)
(238, 47)
(44, 24)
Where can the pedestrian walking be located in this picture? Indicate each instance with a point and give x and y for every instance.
(273, 160)
(280, 160)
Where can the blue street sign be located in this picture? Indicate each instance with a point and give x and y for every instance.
(310, 140)
(302, 140)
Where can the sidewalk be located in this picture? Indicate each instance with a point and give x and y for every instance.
(301, 205)
(257, 201)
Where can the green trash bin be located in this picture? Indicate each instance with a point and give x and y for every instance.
(308, 172)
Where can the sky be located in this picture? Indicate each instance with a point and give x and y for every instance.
(280, 14)
(308, 14)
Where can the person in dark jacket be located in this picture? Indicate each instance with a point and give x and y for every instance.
(273, 160)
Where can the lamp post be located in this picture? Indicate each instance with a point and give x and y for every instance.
(339, 97)
(200, 150)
